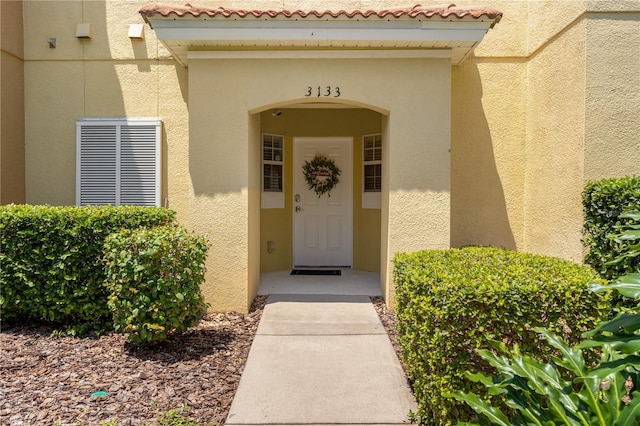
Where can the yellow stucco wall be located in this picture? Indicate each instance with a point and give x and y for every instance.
(12, 174)
(548, 100)
(108, 75)
(220, 152)
(612, 121)
(555, 147)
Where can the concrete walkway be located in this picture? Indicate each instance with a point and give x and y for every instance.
(320, 360)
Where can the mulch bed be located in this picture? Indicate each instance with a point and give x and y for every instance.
(47, 381)
(389, 323)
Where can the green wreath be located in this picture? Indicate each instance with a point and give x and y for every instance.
(321, 174)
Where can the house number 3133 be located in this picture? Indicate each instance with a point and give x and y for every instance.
(326, 91)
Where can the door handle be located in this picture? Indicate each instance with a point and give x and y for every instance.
(298, 209)
(297, 198)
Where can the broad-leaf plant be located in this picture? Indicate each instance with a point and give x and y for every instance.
(569, 390)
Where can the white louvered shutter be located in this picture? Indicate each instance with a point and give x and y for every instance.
(97, 173)
(118, 162)
(138, 166)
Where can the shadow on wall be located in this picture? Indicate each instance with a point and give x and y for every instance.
(478, 206)
(212, 176)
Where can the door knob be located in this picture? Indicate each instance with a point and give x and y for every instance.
(297, 198)
(298, 209)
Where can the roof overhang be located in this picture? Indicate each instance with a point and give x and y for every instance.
(445, 28)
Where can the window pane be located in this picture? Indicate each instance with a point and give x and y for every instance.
(377, 154)
(272, 148)
(373, 148)
(267, 154)
(369, 154)
(272, 178)
(372, 178)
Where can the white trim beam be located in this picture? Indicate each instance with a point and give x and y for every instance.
(320, 54)
(321, 34)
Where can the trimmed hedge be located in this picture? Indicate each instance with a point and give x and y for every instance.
(603, 201)
(449, 303)
(51, 260)
(154, 278)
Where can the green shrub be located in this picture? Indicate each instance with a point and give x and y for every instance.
(451, 302)
(603, 201)
(51, 260)
(570, 391)
(154, 279)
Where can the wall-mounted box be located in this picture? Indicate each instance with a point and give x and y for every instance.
(136, 31)
(83, 31)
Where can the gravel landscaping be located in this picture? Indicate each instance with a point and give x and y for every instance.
(50, 381)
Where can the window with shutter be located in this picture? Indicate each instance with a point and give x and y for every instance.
(118, 161)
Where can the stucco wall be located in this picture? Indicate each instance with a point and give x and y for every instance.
(488, 132)
(555, 147)
(548, 100)
(219, 149)
(508, 99)
(12, 174)
(612, 122)
(109, 75)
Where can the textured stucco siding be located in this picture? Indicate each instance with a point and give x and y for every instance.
(488, 135)
(220, 151)
(555, 147)
(612, 132)
(492, 152)
(12, 173)
(547, 103)
(108, 75)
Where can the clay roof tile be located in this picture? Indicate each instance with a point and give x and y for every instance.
(443, 11)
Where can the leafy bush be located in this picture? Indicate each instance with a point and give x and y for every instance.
(452, 302)
(603, 201)
(51, 260)
(154, 277)
(568, 390)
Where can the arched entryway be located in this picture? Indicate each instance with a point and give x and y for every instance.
(271, 65)
(299, 228)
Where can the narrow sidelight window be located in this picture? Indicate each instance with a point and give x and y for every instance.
(272, 171)
(372, 170)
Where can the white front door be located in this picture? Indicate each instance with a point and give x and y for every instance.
(323, 226)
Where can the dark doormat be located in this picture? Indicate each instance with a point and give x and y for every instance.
(316, 272)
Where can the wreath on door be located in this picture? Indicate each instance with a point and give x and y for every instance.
(321, 175)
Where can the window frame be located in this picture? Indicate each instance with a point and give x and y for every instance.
(371, 199)
(272, 199)
(119, 123)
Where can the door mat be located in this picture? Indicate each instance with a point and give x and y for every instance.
(316, 272)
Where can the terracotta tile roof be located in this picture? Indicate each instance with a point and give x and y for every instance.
(417, 11)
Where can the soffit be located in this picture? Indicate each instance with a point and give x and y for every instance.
(190, 28)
